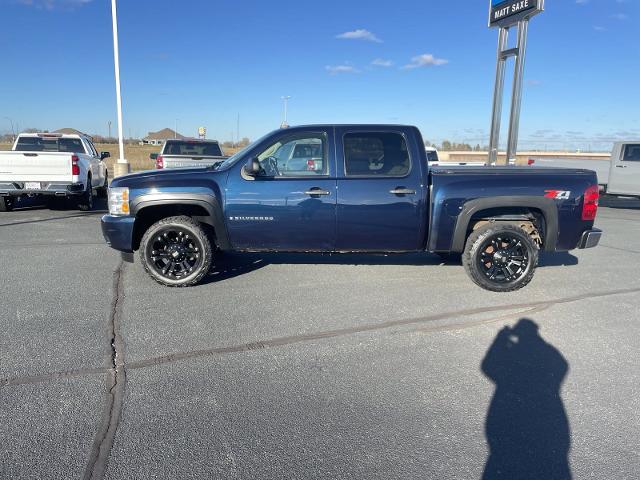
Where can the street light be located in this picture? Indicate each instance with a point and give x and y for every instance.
(284, 121)
(122, 166)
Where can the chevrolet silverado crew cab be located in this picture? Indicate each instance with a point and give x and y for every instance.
(188, 153)
(357, 188)
(58, 167)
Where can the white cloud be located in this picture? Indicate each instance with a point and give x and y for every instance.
(598, 28)
(54, 4)
(360, 34)
(381, 62)
(337, 69)
(620, 16)
(425, 60)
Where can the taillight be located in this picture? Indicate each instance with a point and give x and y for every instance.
(75, 168)
(159, 162)
(311, 165)
(590, 204)
(531, 161)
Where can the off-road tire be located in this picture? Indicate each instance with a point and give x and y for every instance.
(477, 243)
(6, 204)
(178, 224)
(85, 202)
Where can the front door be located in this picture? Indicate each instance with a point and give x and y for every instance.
(625, 170)
(380, 192)
(291, 205)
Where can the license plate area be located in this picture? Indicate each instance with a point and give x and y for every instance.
(32, 186)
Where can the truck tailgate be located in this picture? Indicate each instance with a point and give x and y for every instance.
(182, 161)
(35, 166)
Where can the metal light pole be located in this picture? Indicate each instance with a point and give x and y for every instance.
(284, 121)
(122, 166)
(109, 123)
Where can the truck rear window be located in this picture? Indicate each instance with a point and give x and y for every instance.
(197, 149)
(39, 144)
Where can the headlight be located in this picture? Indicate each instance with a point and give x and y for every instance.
(119, 201)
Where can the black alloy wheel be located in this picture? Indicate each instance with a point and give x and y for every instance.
(176, 251)
(501, 257)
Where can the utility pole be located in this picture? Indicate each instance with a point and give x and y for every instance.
(122, 166)
(286, 103)
(13, 131)
(109, 122)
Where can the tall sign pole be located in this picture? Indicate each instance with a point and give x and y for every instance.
(506, 15)
(122, 166)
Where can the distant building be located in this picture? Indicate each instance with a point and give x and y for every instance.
(70, 131)
(160, 137)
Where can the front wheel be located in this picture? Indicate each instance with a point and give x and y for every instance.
(176, 252)
(500, 257)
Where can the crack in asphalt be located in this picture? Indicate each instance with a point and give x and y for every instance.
(118, 370)
(618, 248)
(103, 441)
(41, 220)
(281, 341)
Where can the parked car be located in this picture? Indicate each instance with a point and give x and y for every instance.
(619, 175)
(375, 192)
(188, 153)
(58, 167)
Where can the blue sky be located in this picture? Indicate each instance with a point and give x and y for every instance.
(419, 62)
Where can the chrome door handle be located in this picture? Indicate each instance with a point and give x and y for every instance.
(621, 166)
(317, 191)
(402, 191)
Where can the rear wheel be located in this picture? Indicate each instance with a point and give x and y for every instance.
(6, 204)
(85, 202)
(102, 191)
(500, 257)
(176, 252)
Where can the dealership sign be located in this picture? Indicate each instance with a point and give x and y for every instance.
(504, 13)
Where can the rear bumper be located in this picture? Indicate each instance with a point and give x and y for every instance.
(118, 232)
(590, 238)
(16, 189)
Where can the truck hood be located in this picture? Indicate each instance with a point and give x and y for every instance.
(149, 177)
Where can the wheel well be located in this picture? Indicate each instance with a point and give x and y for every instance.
(147, 216)
(532, 220)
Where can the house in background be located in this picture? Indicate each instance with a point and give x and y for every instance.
(158, 138)
(70, 131)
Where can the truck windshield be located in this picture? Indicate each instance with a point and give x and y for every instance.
(40, 144)
(198, 149)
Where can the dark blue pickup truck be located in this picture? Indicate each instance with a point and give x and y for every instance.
(351, 188)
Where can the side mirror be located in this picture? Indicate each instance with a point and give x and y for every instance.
(104, 155)
(153, 156)
(253, 167)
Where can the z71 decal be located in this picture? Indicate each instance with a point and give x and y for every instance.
(558, 194)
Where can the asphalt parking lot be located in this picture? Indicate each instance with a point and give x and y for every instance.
(293, 366)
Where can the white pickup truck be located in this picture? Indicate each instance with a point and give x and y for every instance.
(188, 153)
(58, 167)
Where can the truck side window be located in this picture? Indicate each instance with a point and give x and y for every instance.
(300, 156)
(631, 153)
(376, 154)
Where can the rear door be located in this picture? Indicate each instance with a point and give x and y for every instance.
(380, 191)
(625, 170)
(291, 206)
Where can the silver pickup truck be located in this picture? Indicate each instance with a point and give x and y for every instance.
(188, 153)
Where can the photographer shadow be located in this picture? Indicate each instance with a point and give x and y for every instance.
(527, 427)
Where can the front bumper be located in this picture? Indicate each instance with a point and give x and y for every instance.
(118, 232)
(590, 238)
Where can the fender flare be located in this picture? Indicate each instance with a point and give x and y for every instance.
(546, 205)
(209, 202)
